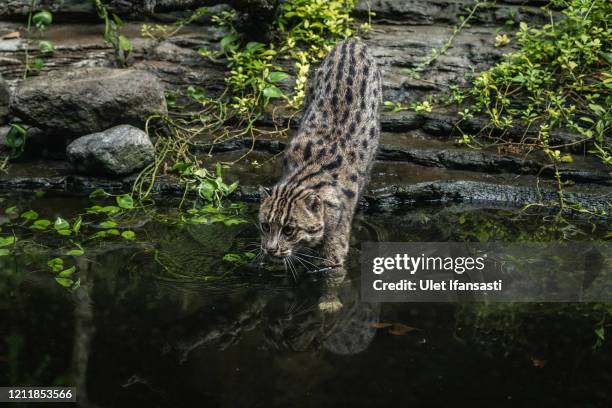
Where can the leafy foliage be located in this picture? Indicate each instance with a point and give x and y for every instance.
(112, 34)
(16, 139)
(560, 78)
(310, 30)
(305, 30)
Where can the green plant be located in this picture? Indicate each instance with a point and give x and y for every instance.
(15, 140)
(309, 29)
(424, 106)
(560, 78)
(37, 24)
(112, 34)
(306, 30)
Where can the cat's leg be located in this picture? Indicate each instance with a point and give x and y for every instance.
(334, 251)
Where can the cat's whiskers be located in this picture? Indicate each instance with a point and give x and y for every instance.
(302, 260)
(304, 265)
(314, 257)
(293, 270)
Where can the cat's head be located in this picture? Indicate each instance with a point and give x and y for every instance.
(289, 218)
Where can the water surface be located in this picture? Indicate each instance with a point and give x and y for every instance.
(164, 321)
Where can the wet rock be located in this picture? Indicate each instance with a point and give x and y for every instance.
(80, 101)
(3, 132)
(448, 12)
(117, 151)
(20, 8)
(4, 100)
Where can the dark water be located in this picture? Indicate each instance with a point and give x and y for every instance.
(164, 322)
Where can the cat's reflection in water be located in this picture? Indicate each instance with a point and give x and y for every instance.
(291, 319)
(304, 326)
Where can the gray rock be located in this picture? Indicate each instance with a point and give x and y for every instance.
(84, 100)
(20, 8)
(116, 151)
(4, 100)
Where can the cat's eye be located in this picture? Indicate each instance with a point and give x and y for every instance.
(287, 230)
(265, 227)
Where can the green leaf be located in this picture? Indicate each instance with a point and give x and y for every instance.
(125, 44)
(29, 215)
(227, 42)
(56, 264)
(129, 235)
(16, 138)
(4, 252)
(37, 64)
(6, 241)
(99, 234)
(597, 108)
(77, 225)
(46, 47)
(65, 282)
(64, 232)
(42, 18)
(232, 258)
(273, 92)
(253, 47)
(125, 201)
(40, 225)
(112, 232)
(218, 169)
(117, 20)
(232, 187)
(61, 224)
(275, 77)
(75, 252)
(11, 211)
(109, 209)
(67, 272)
(600, 333)
(233, 221)
(200, 219)
(99, 193)
(206, 189)
(108, 224)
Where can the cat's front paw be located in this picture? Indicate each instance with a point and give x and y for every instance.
(330, 304)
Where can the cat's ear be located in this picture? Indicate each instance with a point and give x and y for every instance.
(313, 201)
(264, 192)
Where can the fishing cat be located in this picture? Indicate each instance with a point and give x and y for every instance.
(327, 163)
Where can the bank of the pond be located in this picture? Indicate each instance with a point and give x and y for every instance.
(419, 160)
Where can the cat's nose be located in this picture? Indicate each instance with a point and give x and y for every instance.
(270, 249)
(273, 250)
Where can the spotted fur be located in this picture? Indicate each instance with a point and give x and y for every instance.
(327, 163)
